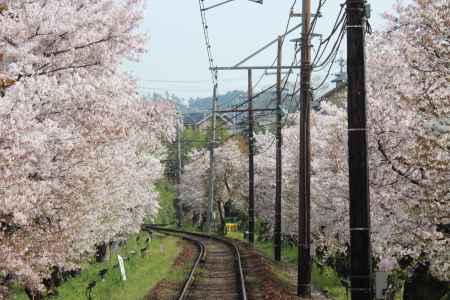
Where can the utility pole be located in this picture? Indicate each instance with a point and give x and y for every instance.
(251, 170)
(304, 242)
(278, 179)
(234, 117)
(360, 247)
(250, 110)
(212, 173)
(179, 166)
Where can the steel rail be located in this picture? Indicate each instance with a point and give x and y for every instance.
(237, 257)
(200, 258)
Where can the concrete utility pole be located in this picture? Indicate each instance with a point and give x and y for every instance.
(179, 166)
(250, 110)
(251, 170)
(212, 173)
(278, 177)
(360, 248)
(304, 242)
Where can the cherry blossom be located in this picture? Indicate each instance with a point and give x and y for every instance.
(80, 150)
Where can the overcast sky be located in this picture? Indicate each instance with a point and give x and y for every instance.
(176, 60)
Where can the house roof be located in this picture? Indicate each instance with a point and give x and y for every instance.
(225, 118)
(328, 95)
(193, 118)
(333, 91)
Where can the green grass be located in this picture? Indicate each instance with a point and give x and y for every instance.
(326, 279)
(143, 273)
(167, 194)
(17, 293)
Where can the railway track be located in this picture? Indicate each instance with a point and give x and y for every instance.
(217, 272)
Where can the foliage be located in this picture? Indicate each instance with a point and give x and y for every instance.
(167, 195)
(323, 278)
(143, 272)
(409, 136)
(192, 139)
(79, 148)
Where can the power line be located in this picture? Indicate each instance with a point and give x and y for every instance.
(189, 81)
(338, 22)
(207, 41)
(334, 49)
(168, 89)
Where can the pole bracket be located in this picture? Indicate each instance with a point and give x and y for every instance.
(360, 229)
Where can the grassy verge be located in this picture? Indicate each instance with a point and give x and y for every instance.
(143, 272)
(173, 282)
(325, 279)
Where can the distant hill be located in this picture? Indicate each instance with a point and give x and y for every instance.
(198, 108)
(227, 100)
(234, 98)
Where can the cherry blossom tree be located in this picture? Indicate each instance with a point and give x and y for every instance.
(408, 144)
(409, 134)
(80, 150)
(230, 183)
(411, 131)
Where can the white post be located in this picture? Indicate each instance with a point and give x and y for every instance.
(122, 267)
(381, 284)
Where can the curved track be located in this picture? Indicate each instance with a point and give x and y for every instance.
(217, 272)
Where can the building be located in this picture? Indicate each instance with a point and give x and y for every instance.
(338, 94)
(221, 121)
(191, 119)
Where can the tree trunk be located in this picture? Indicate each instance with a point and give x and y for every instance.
(222, 219)
(422, 286)
(203, 221)
(33, 295)
(101, 252)
(54, 281)
(195, 219)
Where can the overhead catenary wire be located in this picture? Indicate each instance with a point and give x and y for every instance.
(319, 63)
(324, 42)
(173, 89)
(284, 123)
(210, 56)
(294, 62)
(206, 35)
(284, 37)
(188, 81)
(327, 62)
(330, 60)
(285, 79)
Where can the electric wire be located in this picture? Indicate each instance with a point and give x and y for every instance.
(286, 29)
(319, 54)
(337, 24)
(335, 47)
(207, 41)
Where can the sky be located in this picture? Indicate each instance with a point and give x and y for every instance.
(176, 60)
